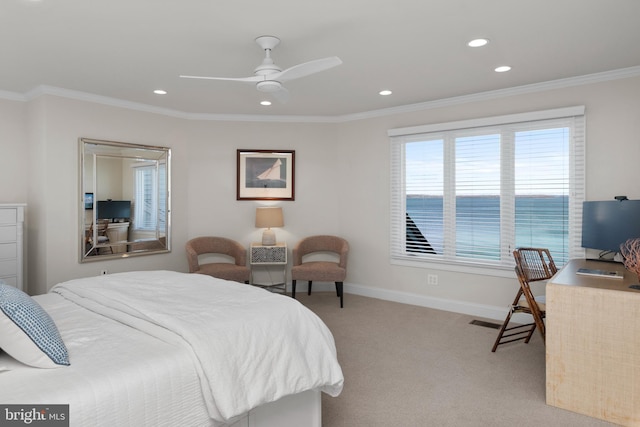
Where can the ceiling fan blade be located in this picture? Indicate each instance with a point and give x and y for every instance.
(251, 79)
(306, 68)
(281, 95)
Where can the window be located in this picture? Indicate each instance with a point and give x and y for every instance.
(150, 200)
(471, 192)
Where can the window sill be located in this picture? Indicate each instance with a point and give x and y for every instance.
(460, 267)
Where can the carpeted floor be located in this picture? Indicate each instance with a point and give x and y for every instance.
(413, 366)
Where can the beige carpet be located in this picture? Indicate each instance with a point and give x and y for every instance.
(413, 366)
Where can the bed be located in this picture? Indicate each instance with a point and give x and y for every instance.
(163, 348)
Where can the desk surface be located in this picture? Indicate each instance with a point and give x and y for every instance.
(568, 276)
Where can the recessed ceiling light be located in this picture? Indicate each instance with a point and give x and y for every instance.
(160, 92)
(502, 69)
(477, 42)
(265, 103)
(385, 92)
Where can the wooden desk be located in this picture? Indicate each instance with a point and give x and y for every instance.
(593, 343)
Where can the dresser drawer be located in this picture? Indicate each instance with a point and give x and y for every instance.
(10, 280)
(8, 250)
(8, 268)
(8, 215)
(8, 233)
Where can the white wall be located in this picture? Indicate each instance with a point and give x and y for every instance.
(13, 152)
(342, 182)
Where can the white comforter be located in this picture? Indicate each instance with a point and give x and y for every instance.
(248, 345)
(119, 376)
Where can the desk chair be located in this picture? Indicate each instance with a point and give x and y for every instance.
(236, 271)
(532, 265)
(101, 226)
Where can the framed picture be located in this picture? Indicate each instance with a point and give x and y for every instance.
(88, 200)
(266, 175)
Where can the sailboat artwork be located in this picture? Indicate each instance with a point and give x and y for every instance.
(266, 175)
(270, 178)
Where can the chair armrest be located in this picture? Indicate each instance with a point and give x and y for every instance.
(344, 253)
(192, 259)
(296, 255)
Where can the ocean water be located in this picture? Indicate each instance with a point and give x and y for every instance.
(541, 221)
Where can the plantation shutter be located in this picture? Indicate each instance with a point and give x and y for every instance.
(145, 198)
(472, 191)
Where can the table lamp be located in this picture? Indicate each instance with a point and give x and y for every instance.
(268, 217)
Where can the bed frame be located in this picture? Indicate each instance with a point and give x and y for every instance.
(303, 409)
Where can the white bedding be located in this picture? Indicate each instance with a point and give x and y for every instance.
(247, 346)
(118, 376)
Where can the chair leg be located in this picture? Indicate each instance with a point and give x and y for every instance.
(309, 291)
(530, 334)
(293, 289)
(515, 333)
(539, 322)
(502, 329)
(339, 290)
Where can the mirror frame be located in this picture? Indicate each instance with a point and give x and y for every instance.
(91, 150)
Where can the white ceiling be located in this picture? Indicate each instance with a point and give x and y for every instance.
(124, 49)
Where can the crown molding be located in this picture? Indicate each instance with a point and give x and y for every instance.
(446, 102)
(12, 96)
(501, 93)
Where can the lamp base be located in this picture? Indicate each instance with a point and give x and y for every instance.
(268, 237)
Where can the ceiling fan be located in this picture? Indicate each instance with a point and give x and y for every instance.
(269, 77)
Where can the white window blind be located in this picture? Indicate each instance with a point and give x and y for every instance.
(150, 201)
(471, 192)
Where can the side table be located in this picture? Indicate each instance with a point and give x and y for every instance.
(265, 256)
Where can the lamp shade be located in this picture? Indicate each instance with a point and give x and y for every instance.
(268, 217)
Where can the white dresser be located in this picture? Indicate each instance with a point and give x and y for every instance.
(12, 244)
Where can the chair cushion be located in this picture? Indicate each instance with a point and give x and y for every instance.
(225, 270)
(319, 271)
(540, 300)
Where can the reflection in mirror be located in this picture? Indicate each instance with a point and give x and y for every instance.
(125, 199)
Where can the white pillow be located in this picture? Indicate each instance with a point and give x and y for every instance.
(27, 332)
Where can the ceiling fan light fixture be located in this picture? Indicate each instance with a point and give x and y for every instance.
(268, 86)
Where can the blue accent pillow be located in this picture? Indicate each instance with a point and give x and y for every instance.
(27, 332)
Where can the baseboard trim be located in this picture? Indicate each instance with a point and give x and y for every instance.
(463, 307)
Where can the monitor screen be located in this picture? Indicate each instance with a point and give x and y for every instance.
(608, 224)
(114, 209)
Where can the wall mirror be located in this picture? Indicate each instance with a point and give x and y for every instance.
(125, 207)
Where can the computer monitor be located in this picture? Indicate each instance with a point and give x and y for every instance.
(608, 224)
(114, 209)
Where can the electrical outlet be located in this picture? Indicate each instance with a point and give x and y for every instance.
(432, 279)
(103, 272)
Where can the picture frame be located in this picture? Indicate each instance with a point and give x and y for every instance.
(88, 200)
(265, 174)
